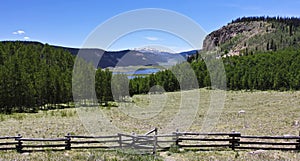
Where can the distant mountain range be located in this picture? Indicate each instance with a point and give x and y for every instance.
(135, 57)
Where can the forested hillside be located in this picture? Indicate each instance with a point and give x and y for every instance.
(249, 35)
(273, 70)
(33, 75)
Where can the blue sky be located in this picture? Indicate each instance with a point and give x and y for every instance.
(68, 23)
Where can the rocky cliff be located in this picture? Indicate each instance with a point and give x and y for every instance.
(233, 38)
(249, 35)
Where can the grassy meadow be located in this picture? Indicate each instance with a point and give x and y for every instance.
(266, 113)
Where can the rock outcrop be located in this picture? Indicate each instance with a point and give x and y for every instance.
(233, 37)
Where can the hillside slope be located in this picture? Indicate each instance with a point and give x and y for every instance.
(250, 34)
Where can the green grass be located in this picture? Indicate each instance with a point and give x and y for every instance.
(267, 113)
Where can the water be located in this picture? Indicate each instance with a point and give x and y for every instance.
(146, 71)
(139, 73)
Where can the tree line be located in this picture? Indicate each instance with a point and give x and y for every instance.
(290, 21)
(265, 70)
(33, 76)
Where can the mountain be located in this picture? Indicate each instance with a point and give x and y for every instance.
(153, 50)
(167, 58)
(136, 57)
(133, 57)
(187, 54)
(248, 35)
(184, 54)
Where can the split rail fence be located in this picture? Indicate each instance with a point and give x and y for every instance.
(152, 143)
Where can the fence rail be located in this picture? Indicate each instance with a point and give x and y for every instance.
(9, 142)
(152, 143)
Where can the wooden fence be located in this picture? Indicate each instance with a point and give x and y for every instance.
(208, 140)
(152, 143)
(8, 142)
(237, 141)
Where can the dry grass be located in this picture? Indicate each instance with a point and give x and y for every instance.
(54, 123)
(266, 113)
(77, 155)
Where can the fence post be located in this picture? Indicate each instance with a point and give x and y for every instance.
(177, 138)
(120, 140)
(19, 145)
(134, 139)
(298, 141)
(234, 141)
(68, 142)
(154, 144)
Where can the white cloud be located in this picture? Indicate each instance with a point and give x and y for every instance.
(26, 38)
(19, 32)
(152, 38)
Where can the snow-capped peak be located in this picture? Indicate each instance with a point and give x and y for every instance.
(153, 50)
